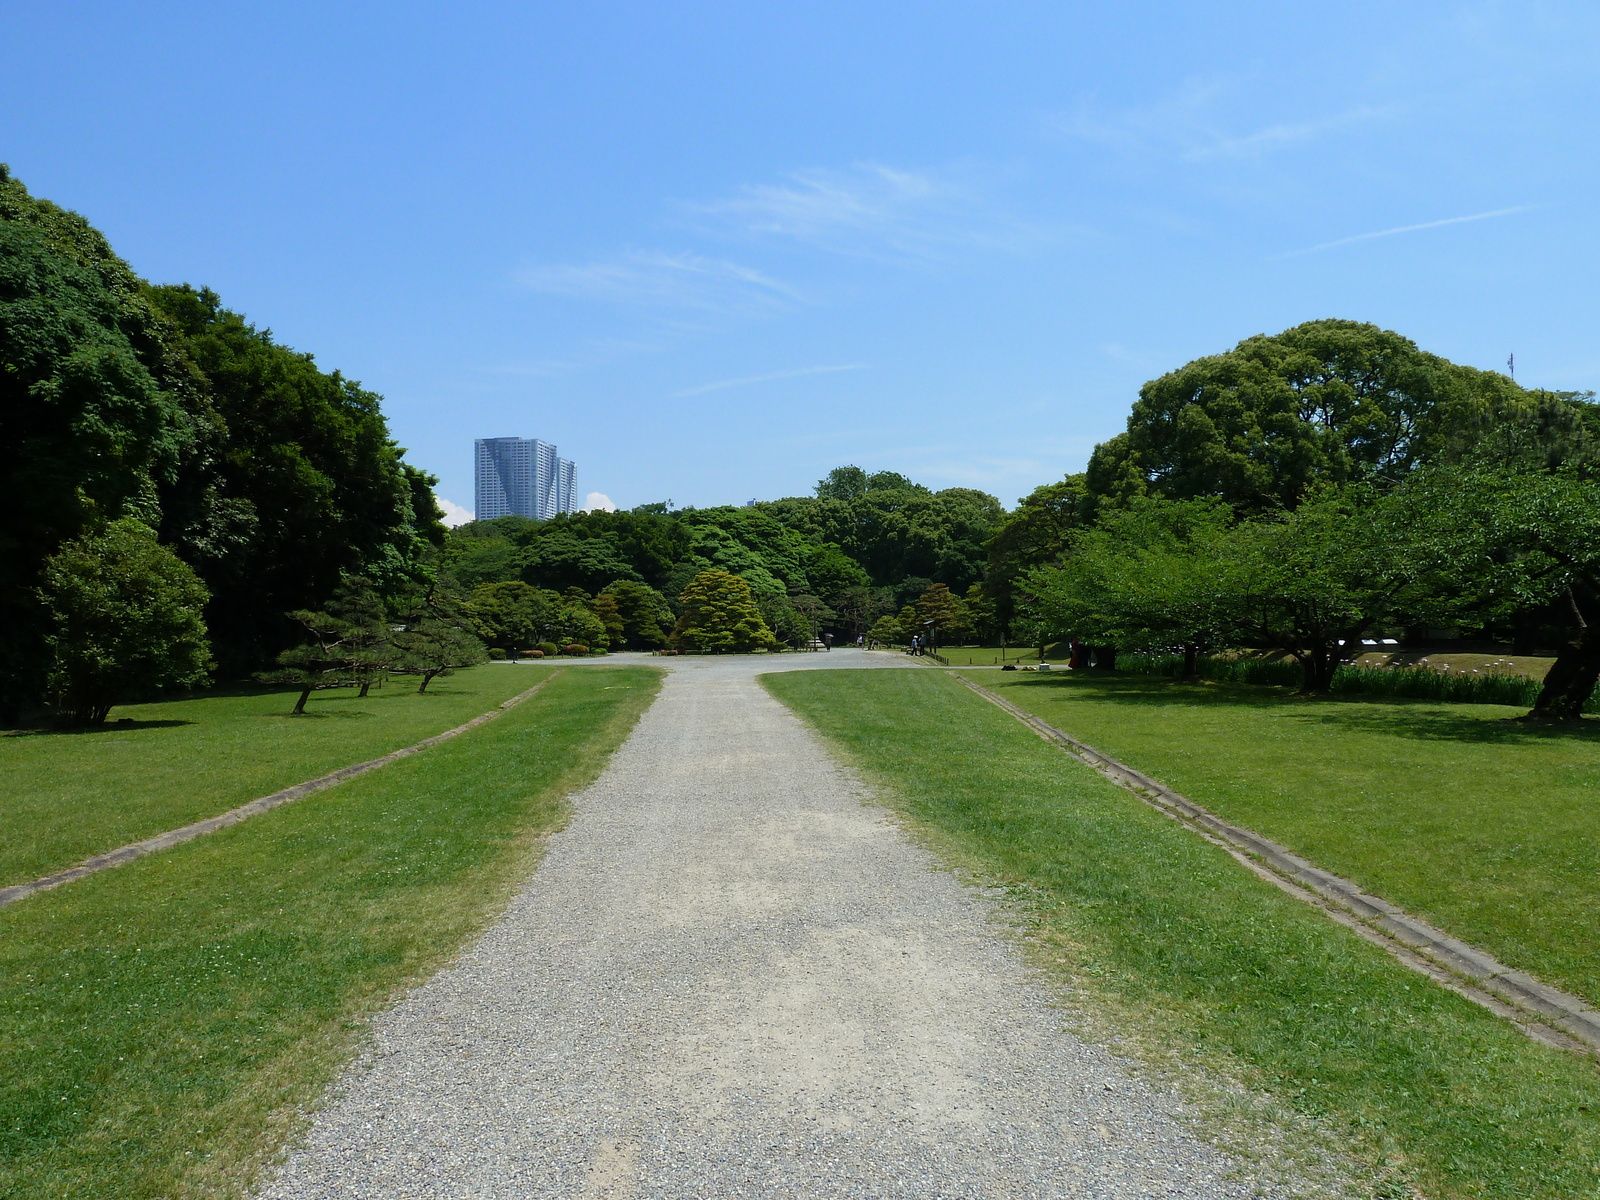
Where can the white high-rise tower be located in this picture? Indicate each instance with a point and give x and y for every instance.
(522, 477)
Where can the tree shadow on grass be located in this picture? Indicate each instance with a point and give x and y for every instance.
(1395, 716)
(122, 726)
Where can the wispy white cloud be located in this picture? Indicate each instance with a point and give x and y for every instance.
(1191, 124)
(658, 279)
(1398, 229)
(703, 388)
(876, 211)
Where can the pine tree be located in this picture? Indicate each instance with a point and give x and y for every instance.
(720, 613)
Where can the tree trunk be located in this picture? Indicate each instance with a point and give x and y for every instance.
(365, 684)
(1191, 662)
(427, 678)
(1319, 667)
(1575, 672)
(300, 704)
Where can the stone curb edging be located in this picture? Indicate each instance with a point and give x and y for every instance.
(1465, 969)
(173, 837)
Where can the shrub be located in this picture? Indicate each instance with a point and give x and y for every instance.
(575, 650)
(496, 653)
(126, 622)
(533, 654)
(1413, 683)
(548, 648)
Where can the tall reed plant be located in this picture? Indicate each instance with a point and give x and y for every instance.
(1412, 683)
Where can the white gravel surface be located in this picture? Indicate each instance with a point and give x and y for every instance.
(733, 976)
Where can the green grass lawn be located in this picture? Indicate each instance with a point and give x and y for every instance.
(1488, 828)
(162, 1023)
(1162, 936)
(991, 656)
(66, 795)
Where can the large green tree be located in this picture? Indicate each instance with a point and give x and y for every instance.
(1326, 402)
(125, 623)
(98, 409)
(301, 480)
(1511, 535)
(896, 529)
(1032, 535)
(1156, 575)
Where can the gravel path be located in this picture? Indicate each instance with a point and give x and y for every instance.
(732, 977)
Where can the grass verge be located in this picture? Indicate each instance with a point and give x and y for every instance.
(69, 794)
(994, 656)
(1195, 960)
(1486, 827)
(162, 1024)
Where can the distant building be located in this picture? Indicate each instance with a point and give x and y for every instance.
(522, 477)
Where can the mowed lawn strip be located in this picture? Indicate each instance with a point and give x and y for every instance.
(1189, 952)
(161, 1023)
(1488, 828)
(67, 795)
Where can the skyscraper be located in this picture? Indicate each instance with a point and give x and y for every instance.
(523, 477)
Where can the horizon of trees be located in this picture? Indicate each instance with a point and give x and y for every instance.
(175, 468)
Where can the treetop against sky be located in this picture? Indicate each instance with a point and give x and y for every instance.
(712, 252)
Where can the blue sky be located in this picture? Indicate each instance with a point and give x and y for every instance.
(712, 250)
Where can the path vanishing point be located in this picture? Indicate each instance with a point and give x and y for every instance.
(732, 976)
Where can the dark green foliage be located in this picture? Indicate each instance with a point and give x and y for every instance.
(646, 615)
(324, 661)
(1034, 534)
(1329, 402)
(720, 613)
(97, 408)
(900, 531)
(301, 484)
(267, 476)
(851, 483)
(125, 622)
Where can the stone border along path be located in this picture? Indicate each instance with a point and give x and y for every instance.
(734, 975)
(173, 837)
(1466, 970)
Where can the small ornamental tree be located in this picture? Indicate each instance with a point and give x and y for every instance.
(887, 630)
(331, 659)
(126, 622)
(366, 636)
(720, 613)
(434, 647)
(605, 610)
(646, 615)
(945, 610)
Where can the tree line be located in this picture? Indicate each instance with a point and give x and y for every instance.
(177, 481)
(1306, 491)
(188, 499)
